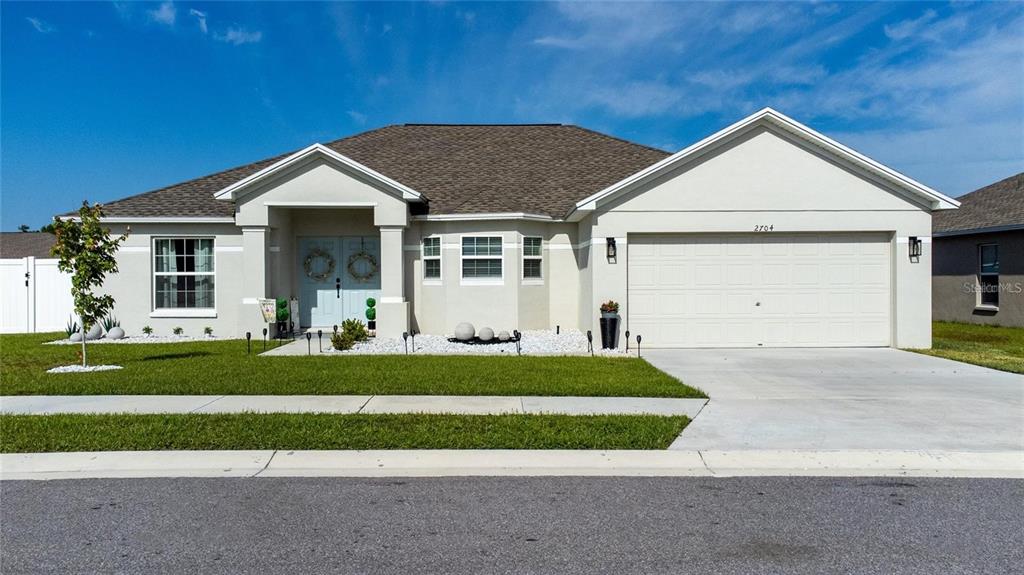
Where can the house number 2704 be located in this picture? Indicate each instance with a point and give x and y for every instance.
(767, 228)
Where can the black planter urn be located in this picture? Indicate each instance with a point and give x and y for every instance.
(609, 331)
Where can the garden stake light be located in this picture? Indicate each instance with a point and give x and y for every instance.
(627, 341)
(264, 339)
(335, 330)
(405, 339)
(638, 345)
(309, 346)
(320, 339)
(518, 337)
(590, 343)
(248, 342)
(413, 335)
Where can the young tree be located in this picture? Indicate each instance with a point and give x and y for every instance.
(86, 251)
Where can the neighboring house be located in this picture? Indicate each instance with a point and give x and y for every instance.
(763, 234)
(978, 270)
(34, 294)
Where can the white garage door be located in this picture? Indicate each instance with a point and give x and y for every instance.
(750, 290)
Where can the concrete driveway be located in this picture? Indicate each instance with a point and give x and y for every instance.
(846, 399)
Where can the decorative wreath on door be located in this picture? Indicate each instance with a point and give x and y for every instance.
(362, 266)
(327, 268)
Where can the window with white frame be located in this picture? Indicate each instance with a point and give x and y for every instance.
(481, 257)
(988, 274)
(432, 258)
(183, 274)
(533, 258)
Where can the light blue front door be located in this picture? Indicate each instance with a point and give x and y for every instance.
(337, 274)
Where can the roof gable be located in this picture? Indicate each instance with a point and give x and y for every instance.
(772, 120)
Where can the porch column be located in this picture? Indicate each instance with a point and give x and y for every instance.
(393, 309)
(255, 285)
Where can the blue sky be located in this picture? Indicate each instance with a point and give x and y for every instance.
(104, 100)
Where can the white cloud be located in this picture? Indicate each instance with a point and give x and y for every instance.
(357, 117)
(40, 26)
(165, 14)
(908, 28)
(200, 18)
(237, 36)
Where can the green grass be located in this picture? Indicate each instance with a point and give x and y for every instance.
(223, 368)
(53, 433)
(989, 346)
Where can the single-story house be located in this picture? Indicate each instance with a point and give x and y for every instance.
(978, 268)
(765, 233)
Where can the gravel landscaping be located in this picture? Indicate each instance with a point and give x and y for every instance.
(82, 369)
(538, 342)
(139, 339)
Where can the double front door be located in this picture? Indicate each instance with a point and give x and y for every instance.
(336, 276)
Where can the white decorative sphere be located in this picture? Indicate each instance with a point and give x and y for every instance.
(95, 332)
(464, 331)
(115, 333)
(486, 334)
(77, 336)
(503, 336)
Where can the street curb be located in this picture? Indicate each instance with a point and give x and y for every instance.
(455, 463)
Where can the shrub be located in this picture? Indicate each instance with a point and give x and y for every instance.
(356, 329)
(371, 309)
(342, 341)
(208, 330)
(282, 309)
(610, 306)
(109, 322)
(147, 330)
(72, 327)
(178, 331)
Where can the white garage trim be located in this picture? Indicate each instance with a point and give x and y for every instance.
(761, 290)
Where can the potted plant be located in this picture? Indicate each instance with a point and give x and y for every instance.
(282, 317)
(371, 315)
(609, 324)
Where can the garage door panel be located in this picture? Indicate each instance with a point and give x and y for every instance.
(760, 290)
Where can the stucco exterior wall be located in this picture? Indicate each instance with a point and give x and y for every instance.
(954, 281)
(132, 287)
(767, 180)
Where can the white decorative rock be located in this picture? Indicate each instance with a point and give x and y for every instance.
(115, 333)
(503, 336)
(486, 334)
(464, 331)
(77, 336)
(95, 332)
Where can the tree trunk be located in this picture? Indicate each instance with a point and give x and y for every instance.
(85, 330)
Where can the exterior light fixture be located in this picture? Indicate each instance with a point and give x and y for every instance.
(320, 339)
(248, 342)
(627, 340)
(914, 245)
(405, 339)
(638, 345)
(309, 349)
(264, 339)
(590, 342)
(335, 330)
(612, 251)
(412, 334)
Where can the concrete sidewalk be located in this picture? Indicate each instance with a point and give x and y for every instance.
(442, 463)
(466, 405)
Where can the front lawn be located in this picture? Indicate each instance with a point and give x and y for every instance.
(62, 433)
(223, 368)
(989, 346)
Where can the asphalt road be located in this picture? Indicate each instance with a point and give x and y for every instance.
(513, 525)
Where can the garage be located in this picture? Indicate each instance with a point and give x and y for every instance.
(760, 289)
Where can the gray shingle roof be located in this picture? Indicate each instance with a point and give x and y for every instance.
(25, 244)
(996, 205)
(462, 169)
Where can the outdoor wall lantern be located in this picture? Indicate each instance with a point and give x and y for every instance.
(915, 248)
(612, 251)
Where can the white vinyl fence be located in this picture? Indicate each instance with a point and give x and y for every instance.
(34, 296)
